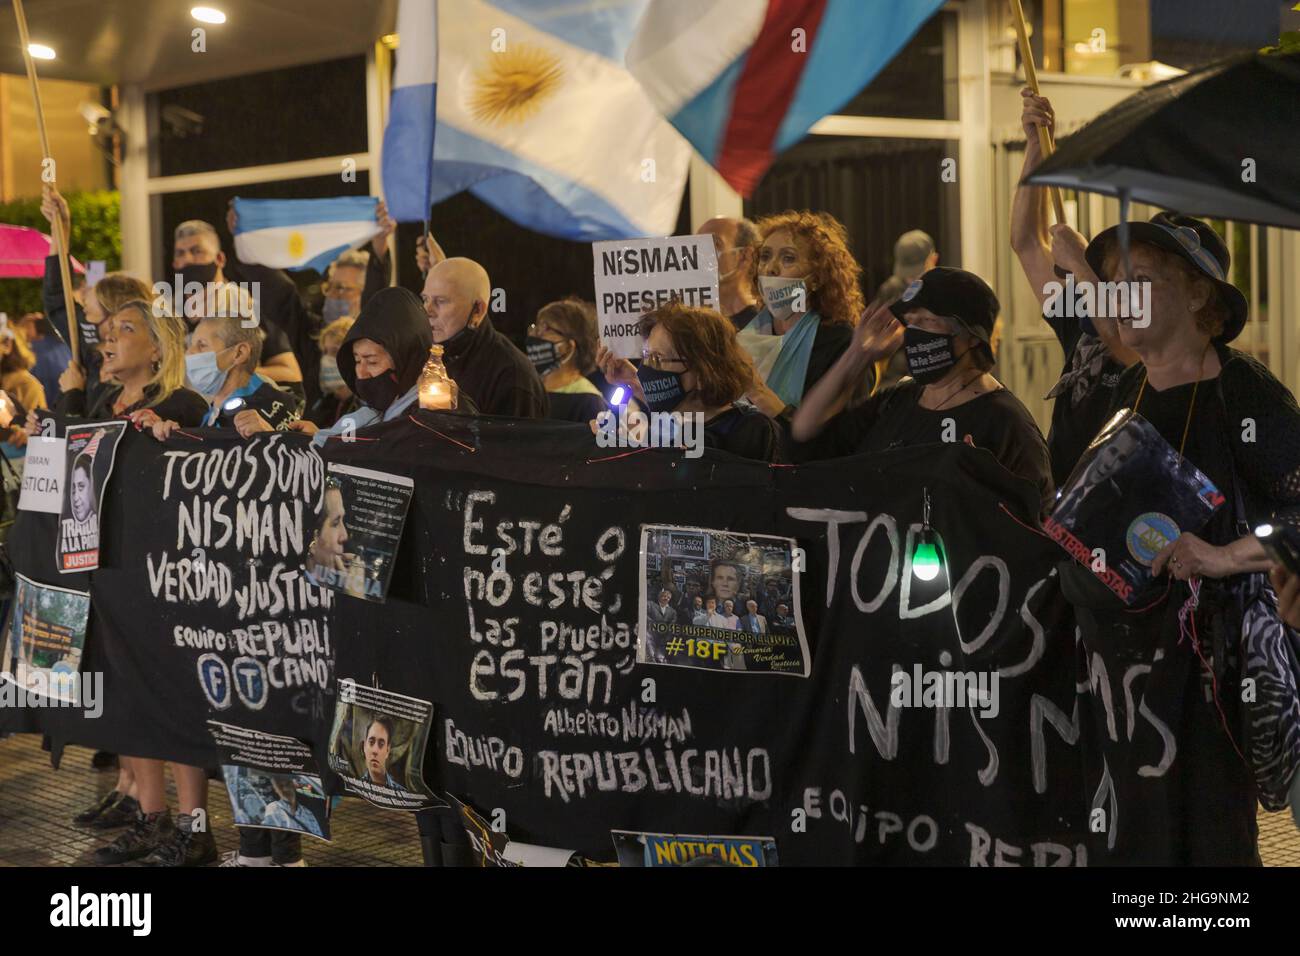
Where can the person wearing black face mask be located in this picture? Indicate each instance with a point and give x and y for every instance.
(380, 362)
(484, 363)
(693, 364)
(944, 323)
(562, 347)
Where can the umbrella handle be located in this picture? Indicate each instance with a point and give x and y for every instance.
(61, 241)
(1031, 79)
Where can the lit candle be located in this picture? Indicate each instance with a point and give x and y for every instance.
(435, 397)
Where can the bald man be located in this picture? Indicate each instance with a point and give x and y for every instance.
(482, 361)
(734, 240)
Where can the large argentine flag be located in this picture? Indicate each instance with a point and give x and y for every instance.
(538, 117)
(744, 80)
(302, 233)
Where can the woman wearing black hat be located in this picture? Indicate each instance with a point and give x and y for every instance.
(1178, 771)
(944, 322)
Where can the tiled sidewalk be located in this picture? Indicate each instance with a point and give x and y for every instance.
(37, 805)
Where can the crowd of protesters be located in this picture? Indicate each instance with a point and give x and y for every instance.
(832, 377)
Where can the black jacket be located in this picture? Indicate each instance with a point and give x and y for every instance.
(495, 374)
(184, 406)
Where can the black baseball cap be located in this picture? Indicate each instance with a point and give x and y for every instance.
(1193, 240)
(954, 294)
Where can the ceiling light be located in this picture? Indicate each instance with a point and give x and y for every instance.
(40, 51)
(208, 15)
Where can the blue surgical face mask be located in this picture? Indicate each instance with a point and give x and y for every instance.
(330, 379)
(204, 375)
(336, 309)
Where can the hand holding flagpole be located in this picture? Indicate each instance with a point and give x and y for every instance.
(1031, 80)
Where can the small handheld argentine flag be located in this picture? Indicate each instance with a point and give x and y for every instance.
(302, 233)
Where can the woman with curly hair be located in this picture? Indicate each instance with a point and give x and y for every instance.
(808, 282)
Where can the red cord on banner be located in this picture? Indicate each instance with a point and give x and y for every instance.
(413, 419)
(624, 454)
(1038, 531)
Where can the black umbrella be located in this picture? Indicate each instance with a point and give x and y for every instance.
(1184, 144)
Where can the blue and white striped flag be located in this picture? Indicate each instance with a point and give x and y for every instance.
(412, 113)
(302, 233)
(539, 118)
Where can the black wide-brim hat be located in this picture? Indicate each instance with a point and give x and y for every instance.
(1194, 241)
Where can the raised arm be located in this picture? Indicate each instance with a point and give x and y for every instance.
(1030, 239)
(878, 334)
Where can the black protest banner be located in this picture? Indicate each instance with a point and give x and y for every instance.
(199, 608)
(514, 608)
(939, 721)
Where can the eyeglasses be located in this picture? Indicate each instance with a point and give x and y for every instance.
(340, 289)
(656, 361)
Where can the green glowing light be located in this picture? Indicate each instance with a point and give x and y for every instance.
(925, 561)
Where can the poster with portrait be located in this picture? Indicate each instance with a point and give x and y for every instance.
(1130, 495)
(273, 781)
(45, 635)
(721, 600)
(358, 530)
(377, 746)
(88, 453)
(679, 849)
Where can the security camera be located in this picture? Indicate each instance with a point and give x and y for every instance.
(181, 123)
(97, 117)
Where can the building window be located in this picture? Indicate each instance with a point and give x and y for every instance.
(302, 112)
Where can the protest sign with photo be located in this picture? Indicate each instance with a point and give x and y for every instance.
(89, 455)
(357, 533)
(721, 601)
(1130, 495)
(45, 636)
(636, 276)
(678, 849)
(377, 746)
(273, 781)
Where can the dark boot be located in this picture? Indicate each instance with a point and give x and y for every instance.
(93, 813)
(146, 833)
(184, 848)
(120, 815)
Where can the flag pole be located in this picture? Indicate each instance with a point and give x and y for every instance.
(1045, 141)
(60, 240)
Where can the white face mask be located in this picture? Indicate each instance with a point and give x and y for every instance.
(784, 297)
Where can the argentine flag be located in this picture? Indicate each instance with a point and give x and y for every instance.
(302, 233)
(536, 115)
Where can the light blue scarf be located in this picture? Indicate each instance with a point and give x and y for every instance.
(365, 415)
(791, 367)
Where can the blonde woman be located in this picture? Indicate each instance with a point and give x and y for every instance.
(144, 357)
